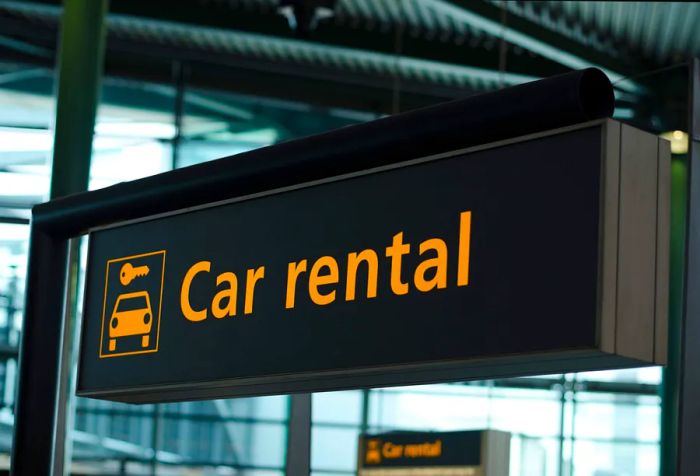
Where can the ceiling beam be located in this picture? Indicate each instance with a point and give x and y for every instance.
(25, 47)
(342, 32)
(539, 40)
(348, 33)
(139, 54)
(323, 86)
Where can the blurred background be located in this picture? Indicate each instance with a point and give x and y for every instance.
(194, 80)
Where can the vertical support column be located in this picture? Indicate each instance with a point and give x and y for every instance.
(42, 355)
(562, 422)
(179, 73)
(155, 438)
(65, 411)
(689, 403)
(37, 393)
(670, 390)
(364, 423)
(299, 436)
(79, 75)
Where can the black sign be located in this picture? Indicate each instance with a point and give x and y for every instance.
(421, 449)
(475, 264)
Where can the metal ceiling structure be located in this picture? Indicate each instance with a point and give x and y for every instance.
(380, 56)
(658, 32)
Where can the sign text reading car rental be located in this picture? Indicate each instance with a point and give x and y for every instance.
(321, 276)
(475, 264)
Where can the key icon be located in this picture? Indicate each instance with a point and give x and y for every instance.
(128, 273)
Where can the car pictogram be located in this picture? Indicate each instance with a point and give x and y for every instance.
(132, 316)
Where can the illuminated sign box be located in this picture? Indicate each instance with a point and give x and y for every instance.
(453, 453)
(545, 253)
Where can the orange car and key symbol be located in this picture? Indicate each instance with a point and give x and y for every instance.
(132, 304)
(132, 315)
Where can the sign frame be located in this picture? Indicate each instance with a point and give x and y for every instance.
(631, 332)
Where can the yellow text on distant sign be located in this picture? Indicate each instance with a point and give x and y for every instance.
(388, 450)
(318, 280)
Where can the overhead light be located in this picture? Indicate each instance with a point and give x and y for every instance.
(152, 130)
(679, 141)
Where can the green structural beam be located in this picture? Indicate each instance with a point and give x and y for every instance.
(80, 64)
(671, 374)
(681, 411)
(43, 413)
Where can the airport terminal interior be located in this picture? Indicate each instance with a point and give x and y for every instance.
(190, 81)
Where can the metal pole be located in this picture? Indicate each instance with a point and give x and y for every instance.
(179, 73)
(572, 439)
(79, 76)
(364, 424)
(689, 403)
(669, 389)
(37, 393)
(299, 436)
(37, 418)
(155, 438)
(562, 418)
(65, 412)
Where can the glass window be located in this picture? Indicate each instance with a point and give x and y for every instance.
(338, 407)
(334, 449)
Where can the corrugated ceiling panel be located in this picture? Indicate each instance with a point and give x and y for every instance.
(656, 30)
(661, 32)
